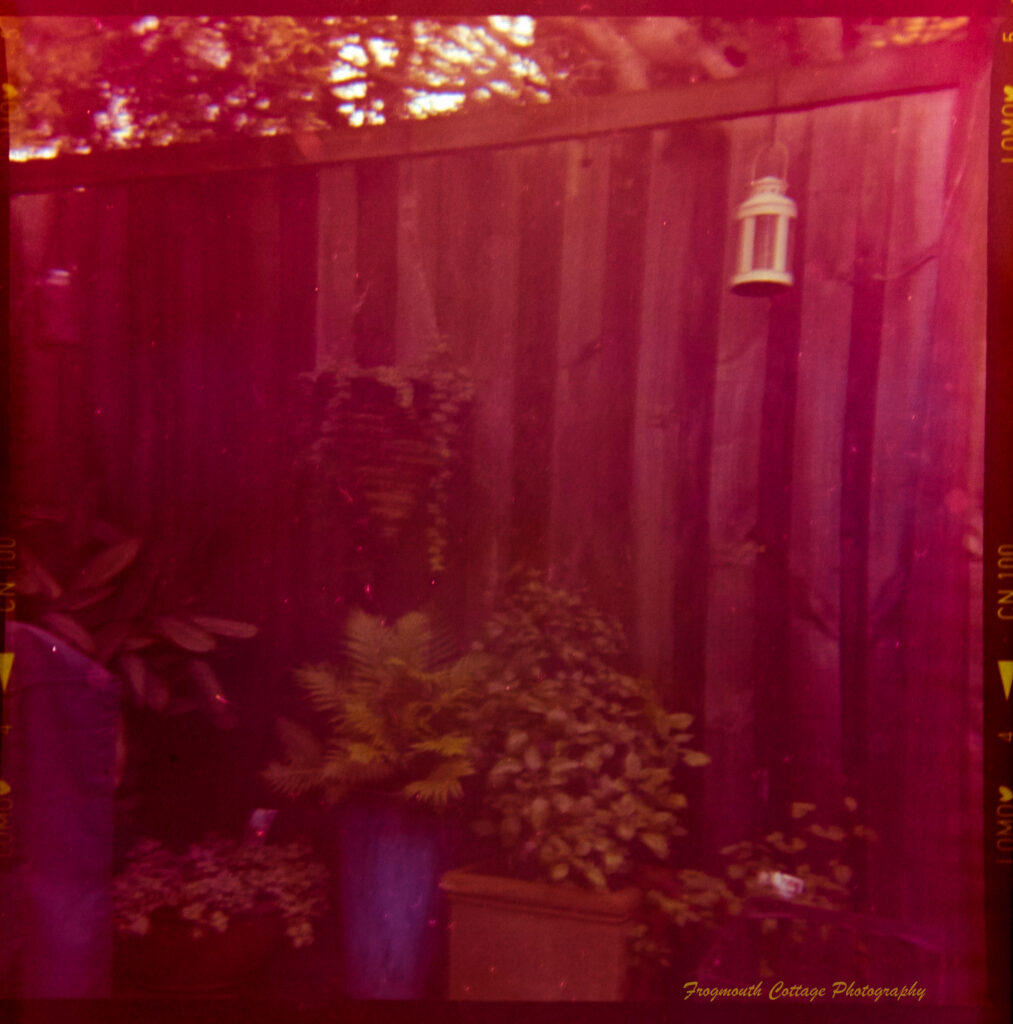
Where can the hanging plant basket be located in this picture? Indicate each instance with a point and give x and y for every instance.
(381, 452)
(382, 458)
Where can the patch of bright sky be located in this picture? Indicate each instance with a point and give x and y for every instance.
(455, 53)
(351, 91)
(356, 117)
(117, 121)
(19, 154)
(466, 45)
(343, 72)
(353, 53)
(210, 47)
(520, 31)
(144, 25)
(908, 31)
(529, 69)
(426, 104)
(383, 51)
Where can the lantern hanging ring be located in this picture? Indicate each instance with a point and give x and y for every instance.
(771, 147)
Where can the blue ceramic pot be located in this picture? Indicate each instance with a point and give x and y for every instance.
(390, 856)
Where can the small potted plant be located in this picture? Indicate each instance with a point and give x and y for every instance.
(392, 749)
(783, 899)
(581, 786)
(210, 916)
(799, 884)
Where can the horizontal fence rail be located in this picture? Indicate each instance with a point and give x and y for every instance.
(892, 72)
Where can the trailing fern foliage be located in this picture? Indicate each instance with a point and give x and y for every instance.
(398, 716)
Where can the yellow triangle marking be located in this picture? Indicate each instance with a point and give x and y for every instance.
(4, 788)
(1006, 671)
(1005, 794)
(6, 660)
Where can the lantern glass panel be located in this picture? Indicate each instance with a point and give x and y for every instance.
(765, 243)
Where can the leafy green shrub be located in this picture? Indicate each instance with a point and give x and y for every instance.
(582, 778)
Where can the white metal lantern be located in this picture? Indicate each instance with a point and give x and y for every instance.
(765, 235)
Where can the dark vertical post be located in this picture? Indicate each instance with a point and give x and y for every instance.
(773, 523)
(871, 252)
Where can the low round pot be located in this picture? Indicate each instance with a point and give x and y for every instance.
(169, 958)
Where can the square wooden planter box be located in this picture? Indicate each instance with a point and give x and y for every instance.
(511, 939)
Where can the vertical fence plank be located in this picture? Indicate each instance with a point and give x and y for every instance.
(337, 229)
(879, 148)
(942, 762)
(105, 321)
(576, 478)
(611, 437)
(375, 323)
(683, 283)
(542, 172)
(43, 455)
(909, 296)
(146, 278)
(730, 691)
(495, 454)
(830, 209)
(461, 287)
(595, 373)
(258, 362)
(668, 246)
(298, 260)
(420, 237)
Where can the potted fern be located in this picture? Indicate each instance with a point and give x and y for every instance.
(393, 752)
(581, 786)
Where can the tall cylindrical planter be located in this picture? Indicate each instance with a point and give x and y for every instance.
(390, 856)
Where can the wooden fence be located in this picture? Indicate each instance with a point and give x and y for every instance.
(780, 498)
